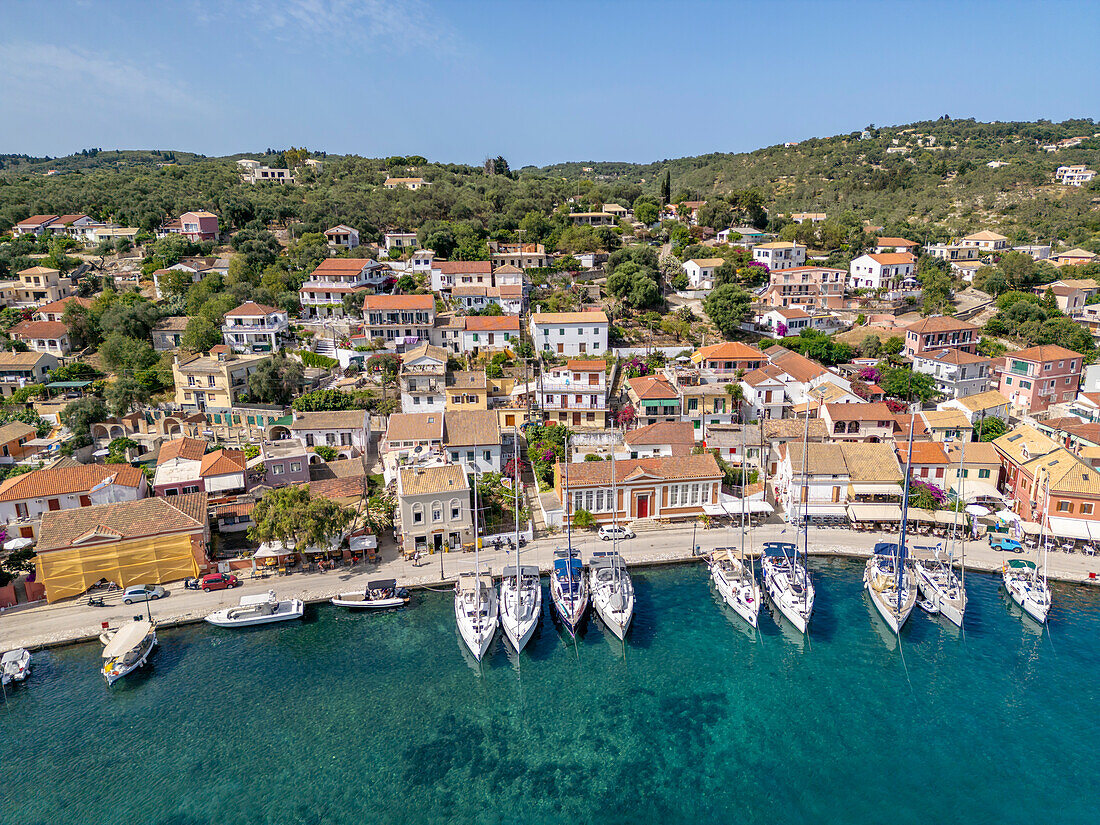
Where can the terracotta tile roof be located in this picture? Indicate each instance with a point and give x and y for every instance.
(61, 305)
(22, 360)
(192, 449)
(777, 245)
(341, 468)
(791, 312)
(792, 429)
(586, 365)
(821, 459)
(733, 435)
(647, 387)
(729, 351)
(939, 323)
(870, 463)
(415, 481)
(1022, 445)
(341, 265)
(251, 309)
(425, 350)
(467, 428)
(983, 401)
(68, 481)
(985, 235)
(339, 229)
(475, 291)
(669, 468)
(871, 411)
(924, 452)
(952, 356)
(906, 421)
(330, 420)
(464, 267)
(797, 366)
(1044, 352)
(492, 323)
(663, 432)
(37, 220)
(237, 508)
(595, 317)
(756, 377)
(895, 242)
(222, 462)
(508, 269)
(467, 380)
(977, 452)
(341, 487)
(1067, 473)
(122, 520)
(510, 291)
(384, 302)
(892, 258)
(40, 329)
(415, 427)
(946, 419)
(16, 430)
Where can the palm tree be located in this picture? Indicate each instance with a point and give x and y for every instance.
(737, 397)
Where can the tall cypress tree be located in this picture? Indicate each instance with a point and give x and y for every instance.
(666, 188)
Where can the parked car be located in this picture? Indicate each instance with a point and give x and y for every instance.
(615, 531)
(219, 581)
(142, 593)
(1006, 544)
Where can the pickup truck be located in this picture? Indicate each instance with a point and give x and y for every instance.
(1006, 544)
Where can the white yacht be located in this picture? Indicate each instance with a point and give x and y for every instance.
(520, 603)
(263, 608)
(939, 584)
(15, 666)
(128, 649)
(380, 594)
(612, 591)
(476, 611)
(736, 582)
(1027, 587)
(788, 583)
(569, 589)
(890, 583)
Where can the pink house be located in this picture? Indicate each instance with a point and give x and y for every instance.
(1035, 378)
(199, 226)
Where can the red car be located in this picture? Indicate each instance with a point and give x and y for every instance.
(218, 581)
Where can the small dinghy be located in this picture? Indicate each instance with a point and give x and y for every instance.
(127, 649)
(382, 593)
(15, 666)
(928, 606)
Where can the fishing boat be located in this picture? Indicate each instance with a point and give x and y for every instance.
(520, 603)
(476, 611)
(787, 583)
(380, 594)
(128, 649)
(262, 608)
(15, 666)
(889, 581)
(520, 585)
(569, 589)
(1025, 583)
(735, 582)
(940, 589)
(612, 591)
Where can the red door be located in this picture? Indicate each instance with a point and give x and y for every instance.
(643, 506)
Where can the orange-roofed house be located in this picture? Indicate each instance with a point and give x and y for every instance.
(322, 294)
(43, 336)
(895, 245)
(399, 320)
(885, 270)
(1035, 378)
(858, 422)
(930, 461)
(482, 333)
(56, 311)
(450, 274)
(940, 333)
(570, 333)
(24, 498)
(805, 286)
(669, 487)
(34, 225)
(728, 357)
(654, 399)
(700, 272)
(573, 393)
(253, 327)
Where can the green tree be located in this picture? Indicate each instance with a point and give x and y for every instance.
(906, 385)
(118, 449)
(989, 428)
(124, 394)
(666, 187)
(200, 335)
(130, 315)
(80, 415)
(325, 400)
(327, 453)
(82, 323)
(727, 306)
(276, 380)
(290, 514)
(870, 346)
(646, 212)
(893, 345)
(120, 352)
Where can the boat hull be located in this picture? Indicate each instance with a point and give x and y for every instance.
(746, 606)
(113, 670)
(478, 635)
(1030, 598)
(794, 608)
(364, 604)
(519, 630)
(951, 609)
(18, 670)
(295, 609)
(885, 601)
(617, 620)
(571, 611)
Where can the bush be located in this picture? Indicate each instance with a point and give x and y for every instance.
(314, 359)
(327, 453)
(583, 519)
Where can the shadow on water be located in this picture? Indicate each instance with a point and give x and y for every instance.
(642, 632)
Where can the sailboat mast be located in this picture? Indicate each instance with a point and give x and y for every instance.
(515, 514)
(805, 500)
(961, 497)
(568, 506)
(1046, 520)
(743, 485)
(905, 506)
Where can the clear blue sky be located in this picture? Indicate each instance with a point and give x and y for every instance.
(538, 82)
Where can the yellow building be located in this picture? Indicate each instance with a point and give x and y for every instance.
(148, 541)
(36, 286)
(214, 380)
(467, 390)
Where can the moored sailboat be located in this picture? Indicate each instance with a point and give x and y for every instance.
(612, 591)
(787, 583)
(890, 582)
(520, 585)
(939, 585)
(476, 600)
(736, 583)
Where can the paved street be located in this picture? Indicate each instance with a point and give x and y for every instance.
(72, 621)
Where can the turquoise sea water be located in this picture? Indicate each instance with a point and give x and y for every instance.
(353, 718)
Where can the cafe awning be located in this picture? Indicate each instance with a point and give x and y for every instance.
(975, 490)
(875, 489)
(874, 512)
(918, 514)
(950, 517)
(1074, 528)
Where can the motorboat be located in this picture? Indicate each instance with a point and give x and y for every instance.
(15, 666)
(787, 583)
(262, 608)
(380, 594)
(612, 591)
(736, 583)
(1027, 587)
(939, 585)
(569, 590)
(891, 584)
(520, 603)
(476, 611)
(128, 649)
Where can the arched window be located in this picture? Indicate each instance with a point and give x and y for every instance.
(456, 509)
(418, 513)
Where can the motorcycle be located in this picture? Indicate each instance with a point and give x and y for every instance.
(96, 601)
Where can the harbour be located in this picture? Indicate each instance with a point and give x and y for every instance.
(369, 717)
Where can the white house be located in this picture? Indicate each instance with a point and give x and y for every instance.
(700, 271)
(475, 298)
(399, 240)
(28, 496)
(421, 260)
(957, 372)
(252, 171)
(423, 379)
(747, 236)
(986, 241)
(570, 333)
(343, 430)
(1074, 175)
(472, 438)
(881, 270)
(779, 254)
(253, 327)
(342, 237)
(781, 321)
(765, 393)
(322, 294)
(485, 333)
(43, 336)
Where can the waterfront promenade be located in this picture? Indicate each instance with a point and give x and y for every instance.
(72, 620)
